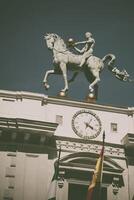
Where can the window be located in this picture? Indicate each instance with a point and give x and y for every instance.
(10, 172)
(114, 127)
(59, 119)
(13, 162)
(11, 183)
(8, 194)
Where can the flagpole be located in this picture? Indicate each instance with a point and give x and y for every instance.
(103, 145)
(58, 161)
(103, 139)
(94, 189)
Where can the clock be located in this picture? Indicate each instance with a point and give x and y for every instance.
(86, 124)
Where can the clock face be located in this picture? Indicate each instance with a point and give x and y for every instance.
(86, 124)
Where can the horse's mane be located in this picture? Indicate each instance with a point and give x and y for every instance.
(61, 41)
(58, 38)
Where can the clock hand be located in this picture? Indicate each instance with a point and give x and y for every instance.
(88, 125)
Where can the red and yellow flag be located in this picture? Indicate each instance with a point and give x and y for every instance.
(95, 185)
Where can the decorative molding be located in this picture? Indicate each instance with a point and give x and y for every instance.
(28, 126)
(92, 148)
(22, 95)
(44, 99)
(128, 141)
(116, 185)
(106, 108)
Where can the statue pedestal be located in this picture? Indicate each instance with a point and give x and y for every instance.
(91, 98)
(62, 94)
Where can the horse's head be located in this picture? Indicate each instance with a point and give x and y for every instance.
(50, 39)
(54, 41)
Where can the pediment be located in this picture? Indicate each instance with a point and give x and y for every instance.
(87, 161)
(80, 166)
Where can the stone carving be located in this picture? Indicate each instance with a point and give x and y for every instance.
(89, 147)
(116, 185)
(65, 59)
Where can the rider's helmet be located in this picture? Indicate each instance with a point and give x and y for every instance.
(88, 34)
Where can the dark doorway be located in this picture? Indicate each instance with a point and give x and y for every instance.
(79, 192)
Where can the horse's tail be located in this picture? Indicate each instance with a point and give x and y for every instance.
(121, 75)
(111, 58)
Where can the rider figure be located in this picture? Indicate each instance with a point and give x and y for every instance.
(87, 50)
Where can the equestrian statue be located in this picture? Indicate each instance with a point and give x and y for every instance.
(67, 56)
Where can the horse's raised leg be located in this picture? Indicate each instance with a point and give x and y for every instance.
(45, 83)
(64, 72)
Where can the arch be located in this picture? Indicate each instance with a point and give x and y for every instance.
(81, 165)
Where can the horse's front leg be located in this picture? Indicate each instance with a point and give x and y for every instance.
(45, 82)
(64, 72)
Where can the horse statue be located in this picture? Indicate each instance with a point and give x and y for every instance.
(64, 59)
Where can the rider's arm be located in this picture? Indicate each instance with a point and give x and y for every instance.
(83, 49)
(80, 51)
(83, 42)
(92, 43)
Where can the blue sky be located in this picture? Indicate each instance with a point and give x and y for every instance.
(24, 56)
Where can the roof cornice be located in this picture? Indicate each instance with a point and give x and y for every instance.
(45, 99)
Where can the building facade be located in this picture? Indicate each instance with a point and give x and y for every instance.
(33, 127)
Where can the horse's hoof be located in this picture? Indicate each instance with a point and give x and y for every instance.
(46, 85)
(91, 95)
(62, 93)
(91, 98)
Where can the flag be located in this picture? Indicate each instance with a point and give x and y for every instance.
(53, 184)
(94, 188)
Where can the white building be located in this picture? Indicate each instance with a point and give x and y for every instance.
(34, 126)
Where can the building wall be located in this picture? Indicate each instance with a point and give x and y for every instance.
(26, 175)
(31, 107)
(131, 181)
(32, 174)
